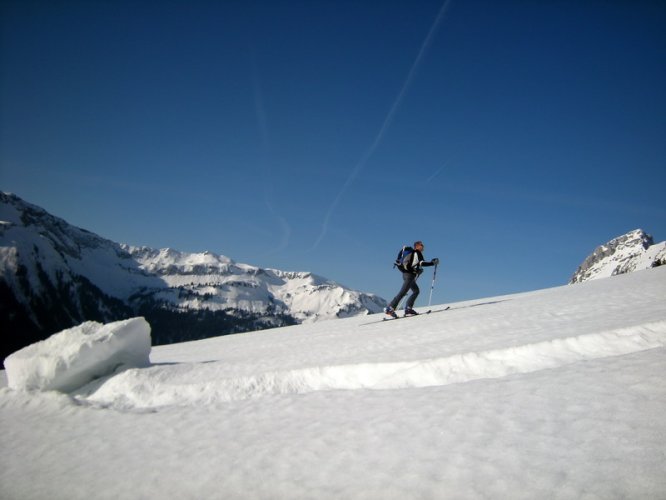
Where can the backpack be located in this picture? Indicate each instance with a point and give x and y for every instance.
(403, 256)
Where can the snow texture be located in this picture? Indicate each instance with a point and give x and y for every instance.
(558, 393)
(74, 357)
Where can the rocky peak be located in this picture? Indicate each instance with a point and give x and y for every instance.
(630, 252)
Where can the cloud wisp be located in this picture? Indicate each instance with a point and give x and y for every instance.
(388, 119)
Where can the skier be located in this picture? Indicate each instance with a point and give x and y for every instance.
(410, 266)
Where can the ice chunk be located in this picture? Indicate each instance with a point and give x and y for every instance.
(72, 358)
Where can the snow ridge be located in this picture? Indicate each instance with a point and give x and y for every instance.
(137, 388)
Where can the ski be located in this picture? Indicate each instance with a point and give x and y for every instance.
(415, 315)
(391, 318)
(402, 317)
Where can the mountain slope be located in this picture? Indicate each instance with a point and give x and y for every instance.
(557, 393)
(54, 275)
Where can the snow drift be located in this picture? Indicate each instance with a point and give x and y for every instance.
(72, 358)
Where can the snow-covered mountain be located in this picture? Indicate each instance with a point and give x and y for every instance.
(215, 282)
(54, 275)
(630, 252)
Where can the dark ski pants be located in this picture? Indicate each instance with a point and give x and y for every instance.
(408, 283)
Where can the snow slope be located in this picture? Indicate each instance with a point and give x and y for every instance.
(558, 393)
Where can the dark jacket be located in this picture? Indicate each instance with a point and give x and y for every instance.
(414, 262)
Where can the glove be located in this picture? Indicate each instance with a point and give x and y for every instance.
(435, 261)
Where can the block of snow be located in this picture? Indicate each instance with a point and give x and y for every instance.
(72, 358)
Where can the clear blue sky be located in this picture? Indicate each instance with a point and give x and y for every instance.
(512, 137)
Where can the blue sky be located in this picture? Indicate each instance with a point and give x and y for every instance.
(511, 137)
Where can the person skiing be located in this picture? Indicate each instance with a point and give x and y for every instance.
(411, 262)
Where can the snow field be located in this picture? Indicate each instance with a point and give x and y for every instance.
(564, 398)
(572, 432)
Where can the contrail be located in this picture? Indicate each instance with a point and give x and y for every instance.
(385, 125)
(262, 122)
(259, 109)
(436, 173)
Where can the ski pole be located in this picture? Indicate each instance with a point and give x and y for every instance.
(432, 286)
